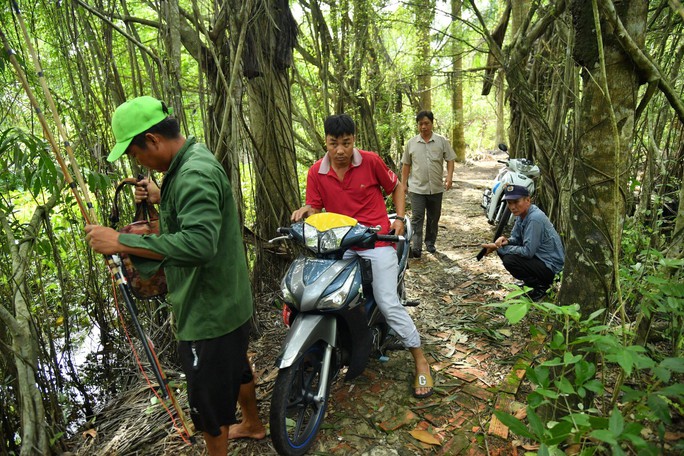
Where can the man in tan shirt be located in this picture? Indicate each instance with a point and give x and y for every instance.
(423, 175)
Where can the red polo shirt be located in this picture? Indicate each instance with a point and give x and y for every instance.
(359, 195)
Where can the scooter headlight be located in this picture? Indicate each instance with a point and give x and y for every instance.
(324, 241)
(332, 239)
(288, 297)
(337, 298)
(311, 237)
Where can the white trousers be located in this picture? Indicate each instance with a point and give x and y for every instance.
(385, 270)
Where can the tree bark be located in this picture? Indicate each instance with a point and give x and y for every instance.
(424, 11)
(457, 132)
(598, 169)
(271, 39)
(34, 436)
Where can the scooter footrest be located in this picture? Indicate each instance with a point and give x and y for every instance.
(411, 303)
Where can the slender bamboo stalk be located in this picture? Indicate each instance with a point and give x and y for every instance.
(60, 127)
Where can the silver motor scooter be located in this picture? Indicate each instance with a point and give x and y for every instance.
(334, 322)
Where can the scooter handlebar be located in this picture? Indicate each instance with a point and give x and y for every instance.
(286, 234)
(390, 238)
(505, 162)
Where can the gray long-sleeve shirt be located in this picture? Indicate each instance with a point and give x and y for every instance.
(535, 236)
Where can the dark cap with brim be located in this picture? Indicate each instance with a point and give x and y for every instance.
(132, 118)
(514, 192)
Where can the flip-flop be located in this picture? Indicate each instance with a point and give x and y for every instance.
(423, 381)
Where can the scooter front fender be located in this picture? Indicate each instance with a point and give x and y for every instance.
(305, 331)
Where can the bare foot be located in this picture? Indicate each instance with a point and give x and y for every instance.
(246, 431)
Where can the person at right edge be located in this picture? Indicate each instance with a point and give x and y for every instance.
(422, 174)
(200, 248)
(534, 252)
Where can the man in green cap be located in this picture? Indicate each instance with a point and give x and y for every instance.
(200, 248)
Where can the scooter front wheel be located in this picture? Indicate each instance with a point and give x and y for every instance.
(296, 413)
(503, 221)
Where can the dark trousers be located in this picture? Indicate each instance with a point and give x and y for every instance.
(532, 271)
(420, 204)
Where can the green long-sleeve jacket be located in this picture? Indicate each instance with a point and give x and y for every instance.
(200, 238)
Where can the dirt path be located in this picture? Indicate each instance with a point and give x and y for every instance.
(469, 345)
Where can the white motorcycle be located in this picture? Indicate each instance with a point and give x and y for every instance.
(517, 171)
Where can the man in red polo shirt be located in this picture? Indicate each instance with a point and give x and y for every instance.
(350, 181)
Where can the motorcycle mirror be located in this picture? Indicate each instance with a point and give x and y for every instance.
(503, 147)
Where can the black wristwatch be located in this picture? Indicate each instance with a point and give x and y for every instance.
(400, 218)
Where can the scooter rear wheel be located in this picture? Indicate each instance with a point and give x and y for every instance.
(295, 415)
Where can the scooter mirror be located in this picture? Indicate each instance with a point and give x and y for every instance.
(503, 147)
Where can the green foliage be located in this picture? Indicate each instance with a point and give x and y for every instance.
(26, 165)
(569, 380)
(653, 284)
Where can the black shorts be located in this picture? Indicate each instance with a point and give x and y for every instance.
(215, 369)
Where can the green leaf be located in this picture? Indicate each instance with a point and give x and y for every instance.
(676, 390)
(662, 374)
(558, 341)
(673, 364)
(564, 386)
(604, 435)
(547, 393)
(568, 358)
(539, 376)
(543, 450)
(535, 399)
(584, 371)
(516, 312)
(514, 424)
(559, 433)
(632, 395)
(616, 450)
(659, 408)
(624, 359)
(595, 314)
(536, 424)
(595, 386)
(616, 423)
(672, 262)
(553, 362)
(580, 420)
(632, 433)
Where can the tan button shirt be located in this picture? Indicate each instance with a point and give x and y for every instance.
(427, 163)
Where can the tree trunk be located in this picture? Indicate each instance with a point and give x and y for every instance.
(500, 87)
(597, 174)
(34, 438)
(271, 40)
(518, 135)
(457, 132)
(424, 11)
(173, 91)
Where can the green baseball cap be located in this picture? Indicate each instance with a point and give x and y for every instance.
(132, 118)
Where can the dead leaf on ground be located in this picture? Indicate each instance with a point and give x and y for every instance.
(424, 436)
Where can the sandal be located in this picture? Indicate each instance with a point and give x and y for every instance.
(423, 381)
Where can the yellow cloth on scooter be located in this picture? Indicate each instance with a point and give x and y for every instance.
(324, 221)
